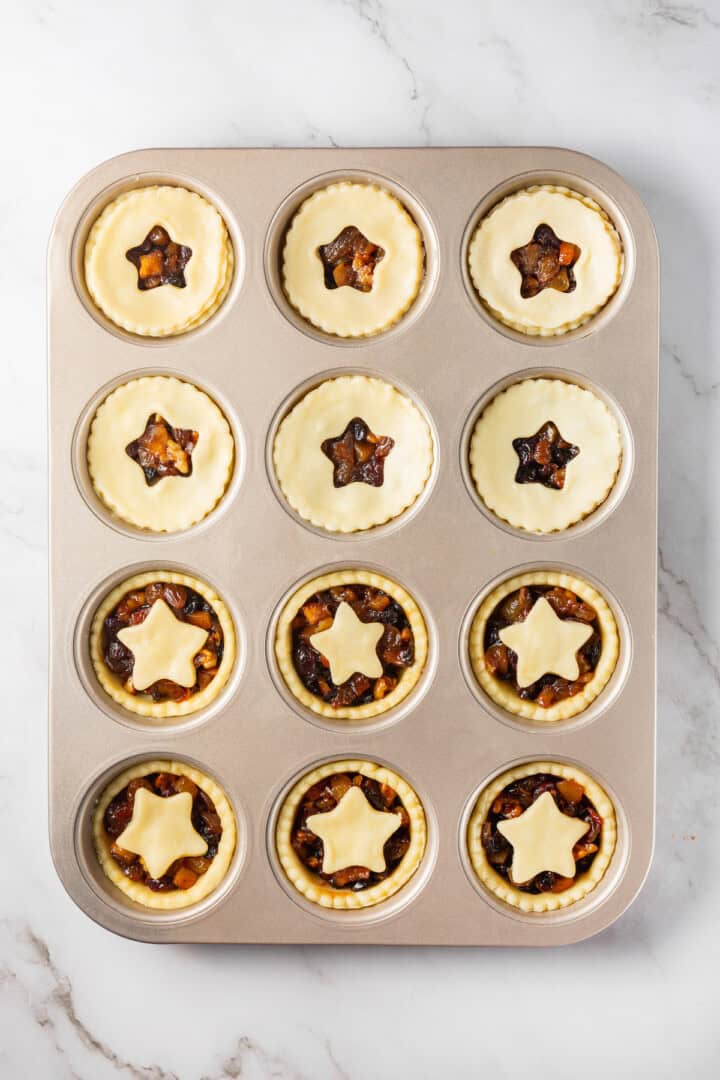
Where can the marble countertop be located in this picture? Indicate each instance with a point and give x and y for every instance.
(636, 84)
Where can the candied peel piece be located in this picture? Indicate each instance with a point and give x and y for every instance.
(358, 455)
(159, 260)
(543, 457)
(163, 450)
(350, 259)
(545, 262)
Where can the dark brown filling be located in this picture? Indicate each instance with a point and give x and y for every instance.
(182, 873)
(358, 456)
(395, 649)
(513, 800)
(188, 606)
(350, 259)
(543, 457)
(323, 797)
(502, 661)
(159, 260)
(163, 450)
(546, 262)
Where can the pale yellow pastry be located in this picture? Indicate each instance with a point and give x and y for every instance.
(170, 502)
(510, 226)
(574, 652)
(308, 475)
(559, 857)
(375, 848)
(519, 413)
(350, 310)
(162, 644)
(172, 300)
(352, 667)
(154, 838)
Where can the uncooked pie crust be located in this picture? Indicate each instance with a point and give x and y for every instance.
(312, 886)
(284, 653)
(585, 883)
(305, 474)
(582, 419)
(136, 890)
(112, 280)
(502, 693)
(384, 221)
(174, 502)
(140, 703)
(511, 224)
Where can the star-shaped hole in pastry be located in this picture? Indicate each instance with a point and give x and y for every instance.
(163, 647)
(358, 455)
(350, 646)
(545, 644)
(159, 260)
(544, 457)
(350, 259)
(161, 831)
(163, 450)
(542, 840)
(546, 262)
(354, 833)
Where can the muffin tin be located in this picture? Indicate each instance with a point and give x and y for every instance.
(254, 357)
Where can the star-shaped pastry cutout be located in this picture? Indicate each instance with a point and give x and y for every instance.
(161, 830)
(545, 262)
(354, 833)
(543, 457)
(545, 644)
(358, 455)
(542, 839)
(163, 648)
(159, 260)
(163, 450)
(350, 259)
(350, 645)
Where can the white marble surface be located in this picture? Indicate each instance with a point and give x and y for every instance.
(634, 83)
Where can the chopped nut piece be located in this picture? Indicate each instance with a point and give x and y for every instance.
(163, 450)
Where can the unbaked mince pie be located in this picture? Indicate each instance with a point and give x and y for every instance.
(544, 454)
(353, 259)
(162, 644)
(354, 452)
(158, 260)
(541, 836)
(164, 834)
(350, 834)
(543, 645)
(545, 260)
(351, 645)
(160, 453)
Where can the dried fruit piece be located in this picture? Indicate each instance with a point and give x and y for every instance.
(546, 262)
(159, 260)
(358, 455)
(350, 259)
(543, 457)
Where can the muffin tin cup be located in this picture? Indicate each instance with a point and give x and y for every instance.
(254, 356)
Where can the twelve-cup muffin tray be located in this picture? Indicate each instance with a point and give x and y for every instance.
(255, 356)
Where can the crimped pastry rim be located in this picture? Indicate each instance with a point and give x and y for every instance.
(501, 693)
(587, 882)
(136, 703)
(136, 890)
(312, 887)
(282, 644)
